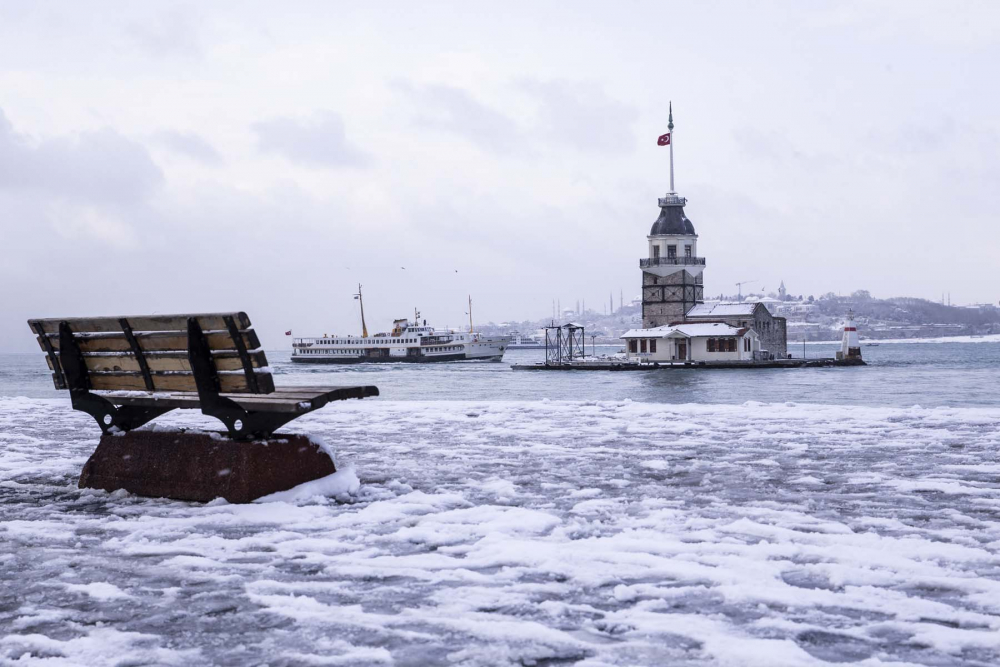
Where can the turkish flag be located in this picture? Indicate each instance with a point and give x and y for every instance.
(288, 333)
(664, 140)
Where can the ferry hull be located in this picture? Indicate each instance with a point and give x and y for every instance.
(460, 356)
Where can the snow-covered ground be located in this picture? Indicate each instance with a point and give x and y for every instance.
(494, 533)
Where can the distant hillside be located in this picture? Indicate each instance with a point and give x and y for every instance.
(907, 310)
(818, 319)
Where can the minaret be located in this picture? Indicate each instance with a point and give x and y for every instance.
(672, 281)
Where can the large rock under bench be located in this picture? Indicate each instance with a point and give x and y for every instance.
(203, 466)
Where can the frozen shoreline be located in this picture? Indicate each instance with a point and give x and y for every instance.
(493, 533)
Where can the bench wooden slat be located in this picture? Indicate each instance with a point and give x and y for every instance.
(231, 383)
(278, 401)
(168, 361)
(154, 342)
(177, 322)
(244, 400)
(301, 393)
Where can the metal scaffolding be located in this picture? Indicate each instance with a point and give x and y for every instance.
(563, 344)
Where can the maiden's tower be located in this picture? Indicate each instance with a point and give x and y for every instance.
(673, 276)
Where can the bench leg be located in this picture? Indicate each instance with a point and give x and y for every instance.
(108, 415)
(244, 424)
(241, 423)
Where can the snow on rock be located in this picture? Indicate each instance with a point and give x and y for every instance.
(518, 533)
(340, 485)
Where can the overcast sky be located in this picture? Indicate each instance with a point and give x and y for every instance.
(163, 157)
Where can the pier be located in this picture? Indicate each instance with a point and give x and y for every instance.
(625, 365)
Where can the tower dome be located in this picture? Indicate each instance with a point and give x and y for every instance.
(672, 219)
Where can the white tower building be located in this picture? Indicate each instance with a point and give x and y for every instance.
(850, 347)
(672, 281)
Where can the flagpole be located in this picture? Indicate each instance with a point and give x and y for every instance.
(670, 127)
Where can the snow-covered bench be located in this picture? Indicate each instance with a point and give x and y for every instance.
(148, 365)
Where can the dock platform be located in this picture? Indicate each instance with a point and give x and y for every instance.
(622, 365)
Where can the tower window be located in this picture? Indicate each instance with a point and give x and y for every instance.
(687, 251)
(656, 252)
(671, 251)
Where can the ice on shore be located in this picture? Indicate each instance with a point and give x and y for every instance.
(341, 485)
(518, 533)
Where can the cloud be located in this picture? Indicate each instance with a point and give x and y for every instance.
(172, 33)
(456, 111)
(320, 141)
(100, 168)
(191, 145)
(582, 116)
(570, 114)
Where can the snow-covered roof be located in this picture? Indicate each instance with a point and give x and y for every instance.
(688, 330)
(723, 309)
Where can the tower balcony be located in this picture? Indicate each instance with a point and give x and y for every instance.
(648, 262)
(672, 200)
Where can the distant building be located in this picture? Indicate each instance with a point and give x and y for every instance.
(701, 341)
(673, 280)
(782, 292)
(773, 331)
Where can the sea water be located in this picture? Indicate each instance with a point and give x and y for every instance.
(898, 374)
(484, 516)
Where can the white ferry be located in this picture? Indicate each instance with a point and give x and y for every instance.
(520, 341)
(407, 342)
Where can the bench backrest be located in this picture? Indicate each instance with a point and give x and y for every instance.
(150, 352)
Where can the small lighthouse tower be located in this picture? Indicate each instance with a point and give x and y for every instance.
(850, 348)
(672, 281)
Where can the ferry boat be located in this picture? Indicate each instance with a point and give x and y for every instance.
(407, 342)
(520, 341)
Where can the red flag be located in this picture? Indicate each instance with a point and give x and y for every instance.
(288, 333)
(664, 140)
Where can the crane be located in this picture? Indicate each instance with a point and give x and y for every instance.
(739, 287)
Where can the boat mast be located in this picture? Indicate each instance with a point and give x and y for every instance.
(364, 328)
(471, 330)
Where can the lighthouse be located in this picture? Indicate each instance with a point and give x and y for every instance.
(672, 281)
(850, 347)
